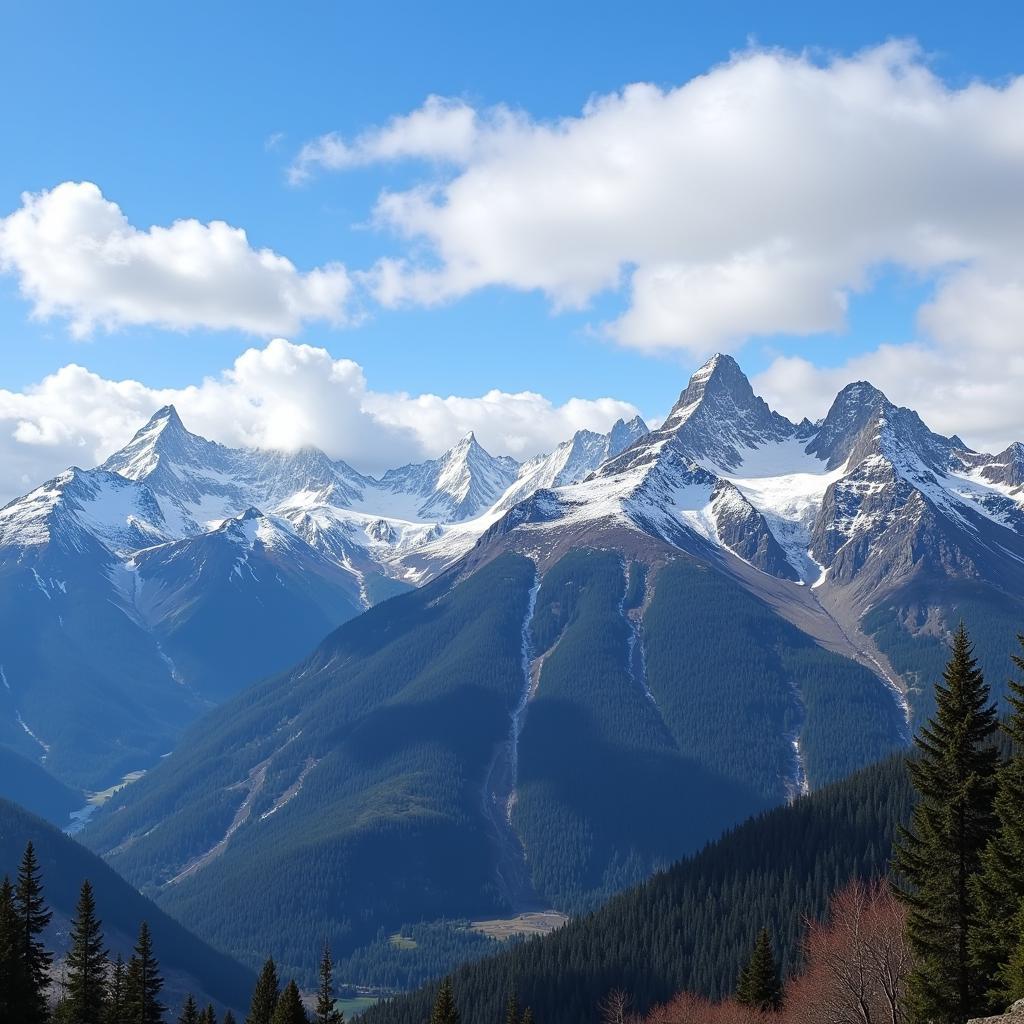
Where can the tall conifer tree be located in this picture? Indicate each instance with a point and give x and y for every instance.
(326, 1012)
(33, 917)
(86, 963)
(189, 1012)
(114, 1011)
(512, 1010)
(289, 1009)
(208, 1016)
(445, 1011)
(760, 986)
(939, 855)
(997, 941)
(264, 996)
(11, 986)
(143, 983)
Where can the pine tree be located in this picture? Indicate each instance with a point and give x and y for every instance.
(289, 1009)
(114, 1011)
(445, 1011)
(11, 985)
(189, 1012)
(144, 983)
(264, 996)
(86, 963)
(208, 1016)
(512, 1010)
(33, 917)
(760, 986)
(939, 855)
(229, 1017)
(996, 940)
(1012, 973)
(326, 1012)
(528, 1016)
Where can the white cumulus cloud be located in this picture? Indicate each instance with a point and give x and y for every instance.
(751, 200)
(444, 130)
(974, 393)
(76, 256)
(280, 396)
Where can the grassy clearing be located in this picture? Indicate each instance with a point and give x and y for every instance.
(353, 1007)
(539, 923)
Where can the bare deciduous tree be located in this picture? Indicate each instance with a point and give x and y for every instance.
(858, 962)
(690, 1009)
(614, 1008)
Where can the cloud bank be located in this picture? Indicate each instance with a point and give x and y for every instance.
(280, 396)
(752, 200)
(76, 256)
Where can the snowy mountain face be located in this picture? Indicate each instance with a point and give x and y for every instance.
(573, 460)
(198, 482)
(794, 500)
(460, 485)
(863, 527)
(216, 566)
(831, 520)
(252, 579)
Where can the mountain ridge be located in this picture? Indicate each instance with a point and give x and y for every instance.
(866, 506)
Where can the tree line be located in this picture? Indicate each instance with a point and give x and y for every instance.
(96, 989)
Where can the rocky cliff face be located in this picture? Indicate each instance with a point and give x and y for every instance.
(1013, 1015)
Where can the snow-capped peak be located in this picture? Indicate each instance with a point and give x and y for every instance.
(716, 419)
(573, 460)
(162, 440)
(862, 422)
(624, 433)
(458, 485)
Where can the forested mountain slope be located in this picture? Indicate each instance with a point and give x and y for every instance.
(31, 786)
(494, 740)
(188, 963)
(692, 926)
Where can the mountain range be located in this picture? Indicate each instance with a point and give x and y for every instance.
(144, 591)
(643, 639)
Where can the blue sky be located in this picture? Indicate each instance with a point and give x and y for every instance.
(196, 110)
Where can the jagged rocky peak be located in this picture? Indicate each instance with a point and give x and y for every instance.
(1005, 468)
(468, 456)
(459, 484)
(167, 416)
(855, 408)
(720, 375)
(163, 438)
(624, 433)
(716, 419)
(721, 414)
(863, 422)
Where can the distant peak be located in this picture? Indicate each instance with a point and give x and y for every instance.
(719, 359)
(862, 391)
(166, 416)
(852, 404)
(250, 513)
(720, 375)
(720, 369)
(466, 447)
(625, 433)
